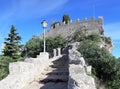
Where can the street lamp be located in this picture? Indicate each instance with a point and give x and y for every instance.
(44, 25)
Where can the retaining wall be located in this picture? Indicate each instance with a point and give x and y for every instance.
(22, 73)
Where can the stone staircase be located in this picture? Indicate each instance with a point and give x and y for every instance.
(53, 77)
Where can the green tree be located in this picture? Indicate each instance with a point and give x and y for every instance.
(114, 83)
(59, 42)
(105, 67)
(66, 18)
(4, 64)
(35, 45)
(80, 36)
(12, 44)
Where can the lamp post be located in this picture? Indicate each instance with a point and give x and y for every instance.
(44, 25)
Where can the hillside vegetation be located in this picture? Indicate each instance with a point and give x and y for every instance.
(106, 68)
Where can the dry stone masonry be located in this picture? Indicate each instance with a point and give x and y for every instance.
(63, 71)
(22, 73)
(78, 72)
(59, 72)
(67, 30)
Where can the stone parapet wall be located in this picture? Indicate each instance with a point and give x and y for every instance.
(22, 73)
(79, 72)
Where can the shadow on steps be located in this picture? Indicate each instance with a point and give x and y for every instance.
(58, 77)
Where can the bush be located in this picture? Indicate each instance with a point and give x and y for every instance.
(105, 67)
(4, 66)
(93, 37)
(35, 45)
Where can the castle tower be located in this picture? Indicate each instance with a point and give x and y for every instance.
(84, 20)
(100, 20)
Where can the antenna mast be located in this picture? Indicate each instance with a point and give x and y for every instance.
(94, 8)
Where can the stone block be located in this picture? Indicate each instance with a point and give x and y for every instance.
(43, 55)
(20, 67)
(88, 69)
(59, 51)
(54, 52)
(22, 73)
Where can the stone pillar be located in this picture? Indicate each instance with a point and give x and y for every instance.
(59, 51)
(54, 53)
(88, 69)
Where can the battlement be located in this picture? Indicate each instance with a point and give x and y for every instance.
(67, 31)
(78, 21)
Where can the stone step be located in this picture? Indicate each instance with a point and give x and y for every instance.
(53, 78)
(55, 73)
(33, 85)
(56, 69)
(54, 66)
(52, 85)
(59, 64)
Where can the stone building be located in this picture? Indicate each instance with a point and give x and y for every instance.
(91, 26)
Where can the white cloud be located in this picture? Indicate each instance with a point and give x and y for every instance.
(113, 30)
(25, 9)
(35, 8)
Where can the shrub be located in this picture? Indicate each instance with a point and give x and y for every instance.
(105, 67)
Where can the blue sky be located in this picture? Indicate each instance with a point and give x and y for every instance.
(26, 16)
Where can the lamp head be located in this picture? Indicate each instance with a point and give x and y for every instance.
(44, 24)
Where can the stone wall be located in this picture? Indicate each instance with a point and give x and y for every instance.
(22, 73)
(67, 30)
(79, 72)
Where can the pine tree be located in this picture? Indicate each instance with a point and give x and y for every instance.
(12, 47)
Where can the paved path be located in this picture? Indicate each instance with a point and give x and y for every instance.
(53, 77)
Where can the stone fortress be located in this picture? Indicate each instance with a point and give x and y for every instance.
(87, 27)
(62, 71)
(91, 26)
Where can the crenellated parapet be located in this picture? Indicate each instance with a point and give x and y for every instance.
(78, 21)
(92, 26)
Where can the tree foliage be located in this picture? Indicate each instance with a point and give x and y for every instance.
(66, 18)
(4, 64)
(105, 67)
(35, 45)
(11, 52)
(79, 36)
(12, 44)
